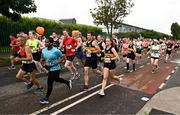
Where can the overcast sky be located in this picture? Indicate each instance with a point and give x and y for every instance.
(150, 14)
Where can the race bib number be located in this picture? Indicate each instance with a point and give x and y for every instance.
(107, 60)
(99, 54)
(68, 46)
(88, 54)
(168, 49)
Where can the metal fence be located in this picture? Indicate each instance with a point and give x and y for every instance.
(5, 49)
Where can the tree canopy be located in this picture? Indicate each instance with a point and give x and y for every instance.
(175, 30)
(14, 8)
(110, 13)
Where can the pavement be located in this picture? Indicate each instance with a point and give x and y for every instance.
(167, 100)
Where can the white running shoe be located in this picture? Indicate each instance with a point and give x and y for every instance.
(70, 84)
(101, 93)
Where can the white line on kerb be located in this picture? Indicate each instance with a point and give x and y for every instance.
(77, 102)
(62, 101)
(168, 77)
(162, 85)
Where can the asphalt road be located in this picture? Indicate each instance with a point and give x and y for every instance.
(122, 99)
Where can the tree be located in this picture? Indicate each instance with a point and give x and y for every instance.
(175, 30)
(14, 8)
(110, 13)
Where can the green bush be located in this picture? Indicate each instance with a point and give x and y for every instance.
(8, 27)
(146, 34)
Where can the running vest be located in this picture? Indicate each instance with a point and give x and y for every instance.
(109, 54)
(163, 46)
(101, 54)
(125, 49)
(33, 44)
(169, 47)
(56, 43)
(155, 51)
(90, 47)
(22, 54)
(138, 47)
(130, 48)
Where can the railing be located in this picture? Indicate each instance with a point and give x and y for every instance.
(5, 49)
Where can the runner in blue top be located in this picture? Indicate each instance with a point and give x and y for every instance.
(50, 59)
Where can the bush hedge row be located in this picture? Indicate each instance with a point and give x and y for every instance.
(25, 24)
(146, 34)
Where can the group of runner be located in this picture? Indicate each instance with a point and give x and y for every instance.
(36, 52)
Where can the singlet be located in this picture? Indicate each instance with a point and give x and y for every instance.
(125, 49)
(101, 54)
(169, 47)
(138, 46)
(69, 44)
(14, 42)
(22, 54)
(163, 46)
(130, 47)
(155, 51)
(79, 40)
(56, 42)
(109, 54)
(33, 44)
(90, 47)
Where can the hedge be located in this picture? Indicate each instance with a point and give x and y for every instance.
(25, 24)
(146, 34)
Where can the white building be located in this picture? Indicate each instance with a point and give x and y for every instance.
(124, 28)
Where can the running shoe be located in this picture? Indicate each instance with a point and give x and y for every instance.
(29, 85)
(128, 70)
(72, 76)
(153, 71)
(70, 85)
(101, 93)
(44, 100)
(12, 68)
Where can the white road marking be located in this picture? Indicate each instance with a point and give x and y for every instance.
(121, 75)
(62, 101)
(77, 102)
(167, 78)
(172, 71)
(141, 66)
(66, 99)
(162, 85)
